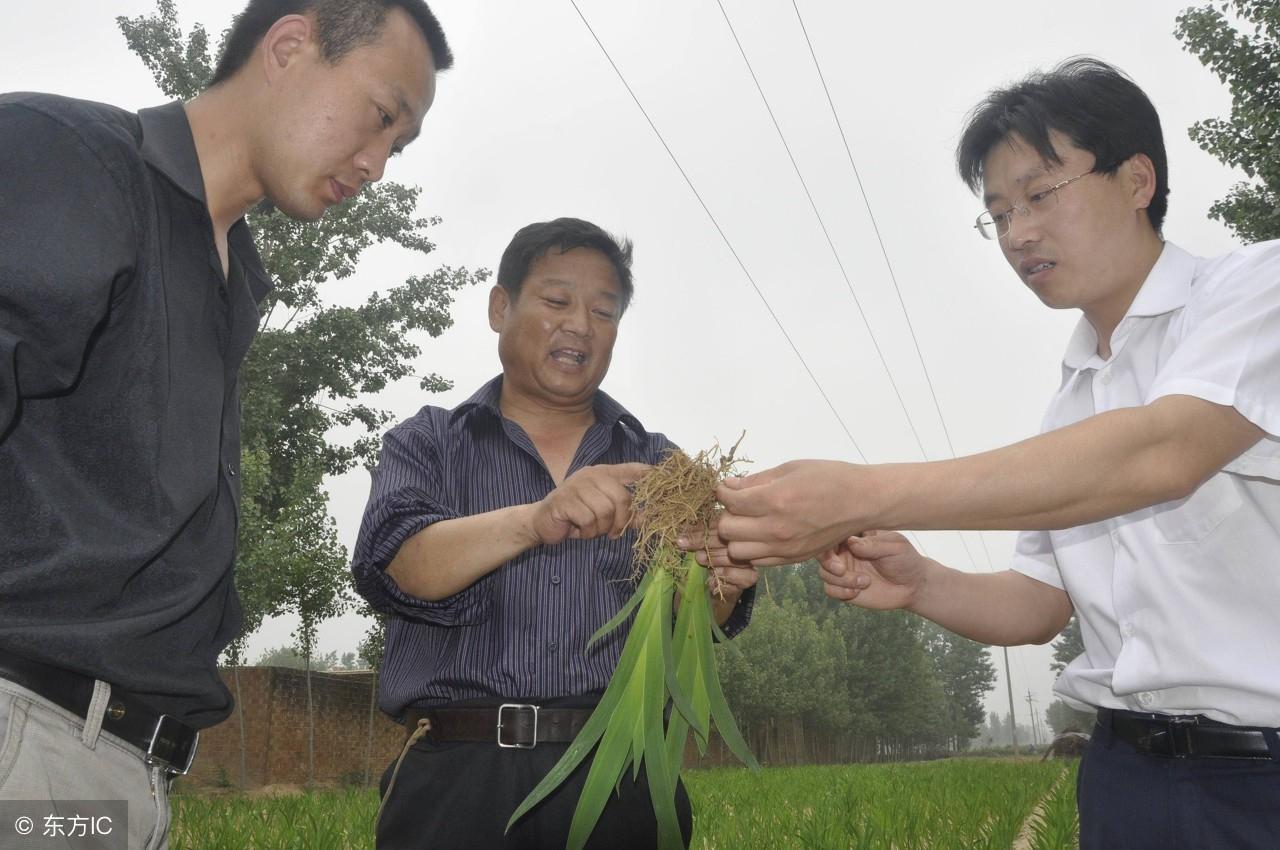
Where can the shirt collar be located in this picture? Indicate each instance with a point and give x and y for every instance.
(1167, 288)
(608, 411)
(167, 145)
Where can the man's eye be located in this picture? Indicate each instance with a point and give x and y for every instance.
(385, 118)
(556, 302)
(606, 314)
(1039, 197)
(1000, 218)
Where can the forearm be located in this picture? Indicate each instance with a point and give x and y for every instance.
(1004, 609)
(449, 556)
(1104, 466)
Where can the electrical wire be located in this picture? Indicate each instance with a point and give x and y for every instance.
(720, 230)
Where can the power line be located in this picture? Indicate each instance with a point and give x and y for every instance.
(893, 277)
(822, 224)
(875, 227)
(720, 230)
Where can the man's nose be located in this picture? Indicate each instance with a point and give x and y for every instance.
(578, 321)
(371, 163)
(1023, 228)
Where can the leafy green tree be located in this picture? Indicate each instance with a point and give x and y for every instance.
(1059, 715)
(783, 675)
(1067, 646)
(1247, 60)
(966, 674)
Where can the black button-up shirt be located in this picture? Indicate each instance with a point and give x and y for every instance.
(520, 632)
(120, 344)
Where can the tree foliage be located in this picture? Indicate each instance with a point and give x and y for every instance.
(1245, 55)
(1067, 646)
(1059, 716)
(814, 680)
(313, 364)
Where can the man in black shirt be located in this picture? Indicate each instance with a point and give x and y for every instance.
(129, 287)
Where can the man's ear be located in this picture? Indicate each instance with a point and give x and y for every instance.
(289, 39)
(1142, 179)
(499, 300)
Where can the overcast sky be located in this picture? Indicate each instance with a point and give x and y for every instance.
(533, 123)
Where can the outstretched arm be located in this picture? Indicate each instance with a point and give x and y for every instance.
(882, 570)
(1104, 466)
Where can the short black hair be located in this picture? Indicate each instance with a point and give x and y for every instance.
(341, 26)
(1094, 104)
(532, 242)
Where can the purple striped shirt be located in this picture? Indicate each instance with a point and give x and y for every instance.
(520, 632)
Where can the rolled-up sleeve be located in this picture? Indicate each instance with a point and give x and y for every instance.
(1229, 352)
(67, 245)
(741, 615)
(407, 496)
(1033, 556)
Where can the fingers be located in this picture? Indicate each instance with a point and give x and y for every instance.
(873, 545)
(624, 473)
(746, 496)
(592, 502)
(732, 580)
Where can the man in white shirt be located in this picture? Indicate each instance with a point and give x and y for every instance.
(1149, 505)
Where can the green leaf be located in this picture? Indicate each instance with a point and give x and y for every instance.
(594, 729)
(626, 610)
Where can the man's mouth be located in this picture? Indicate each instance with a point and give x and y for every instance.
(341, 190)
(1035, 267)
(571, 356)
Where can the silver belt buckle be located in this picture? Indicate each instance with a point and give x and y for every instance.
(165, 750)
(516, 706)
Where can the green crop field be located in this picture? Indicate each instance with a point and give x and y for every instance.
(969, 804)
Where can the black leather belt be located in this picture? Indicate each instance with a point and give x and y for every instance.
(509, 725)
(1185, 736)
(164, 740)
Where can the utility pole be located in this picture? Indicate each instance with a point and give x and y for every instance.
(1008, 681)
(1035, 727)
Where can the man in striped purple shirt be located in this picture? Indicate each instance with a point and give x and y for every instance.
(495, 536)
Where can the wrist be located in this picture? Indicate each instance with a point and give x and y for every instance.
(928, 589)
(525, 526)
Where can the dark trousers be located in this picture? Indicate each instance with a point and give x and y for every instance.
(460, 795)
(1135, 801)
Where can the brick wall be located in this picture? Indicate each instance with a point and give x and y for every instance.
(274, 704)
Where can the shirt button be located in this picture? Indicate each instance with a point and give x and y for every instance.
(231, 470)
(1106, 378)
(555, 580)
(552, 646)
(1145, 698)
(1127, 628)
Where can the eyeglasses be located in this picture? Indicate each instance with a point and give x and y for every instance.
(996, 225)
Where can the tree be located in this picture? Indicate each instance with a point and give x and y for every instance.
(1249, 64)
(1067, 646)
(311, 365)
(783, 675)
(289, 657)
(966, 674)
(1059, 715)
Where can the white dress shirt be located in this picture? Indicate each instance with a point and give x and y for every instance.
(1179, 604)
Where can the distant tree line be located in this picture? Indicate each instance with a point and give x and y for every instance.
(814, 680)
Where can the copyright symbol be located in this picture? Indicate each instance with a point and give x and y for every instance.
(23, 825)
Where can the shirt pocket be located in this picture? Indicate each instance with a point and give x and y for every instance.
(1194, 518)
